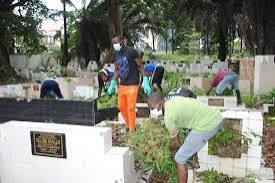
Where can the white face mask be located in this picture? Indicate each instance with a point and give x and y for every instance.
(155, 113)
(117, 46)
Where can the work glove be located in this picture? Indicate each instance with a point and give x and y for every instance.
(146, 86)
(112, 88)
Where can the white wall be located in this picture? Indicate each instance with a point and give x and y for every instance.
(25, 62)
(264, 79)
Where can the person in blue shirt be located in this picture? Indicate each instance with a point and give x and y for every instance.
(50, 89)
(104, 78)
(155, 72)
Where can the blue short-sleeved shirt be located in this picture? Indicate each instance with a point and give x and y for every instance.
(110, 74)
(150, 68)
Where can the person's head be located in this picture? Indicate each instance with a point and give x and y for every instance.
(155, 101)
(118, 42)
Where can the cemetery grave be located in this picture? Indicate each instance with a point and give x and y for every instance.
(81, 137)
(235, 152)
(213, 158)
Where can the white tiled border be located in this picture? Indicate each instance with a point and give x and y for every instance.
(250, 163)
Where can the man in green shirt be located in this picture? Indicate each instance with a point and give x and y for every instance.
(181, 111)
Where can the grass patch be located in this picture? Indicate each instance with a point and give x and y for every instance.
(269, 120)
(213, 176)
(228, 142)
(107, 102)
(257, 100)
(150, 144)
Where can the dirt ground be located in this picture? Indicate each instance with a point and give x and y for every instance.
(269, 145)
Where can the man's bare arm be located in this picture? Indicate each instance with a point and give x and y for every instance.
(175, 140)
(140, 66)
(116, 75)
(209, 89)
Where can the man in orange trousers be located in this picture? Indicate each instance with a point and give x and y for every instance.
(128, 66)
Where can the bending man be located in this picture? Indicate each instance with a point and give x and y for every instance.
(50, 89)
(222, 80)
(188, 113)
(155, 72)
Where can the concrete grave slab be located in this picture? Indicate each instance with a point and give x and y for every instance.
(249, 163)
(199, 82)
(219, 101)
(90, 156)
(264, 73)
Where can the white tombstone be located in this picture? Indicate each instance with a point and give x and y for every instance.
(23, 72)
(206, 62)
(46, 152)
(86, 92)
(227, 102)
(57, 69)
(109, 66)
(15, 91)
(195, 68)
(3, 90)
(180, 67)
(103, 56)
(264, 73)
(170, 67)
(92, 66)
(73, 67)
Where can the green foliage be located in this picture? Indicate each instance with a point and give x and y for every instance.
(23, 26)
(228, 141)
(172, 80)
(213, 176)
(67, 79)
(228, 92)
(269, 120)
(171, 57)
(255, 101)
(107, 102)
(199, 92)
(150, 144)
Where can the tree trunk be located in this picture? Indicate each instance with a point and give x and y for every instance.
(241, 48)
(6, 70)
(222, 45)
(166, 42)
(207, 44)
(114, 18)
(153, 39)
(66, 55)
(114, 24)
(173, 43)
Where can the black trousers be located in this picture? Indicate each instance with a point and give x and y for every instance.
(158, 76)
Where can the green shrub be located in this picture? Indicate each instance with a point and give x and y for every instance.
(213, 176)
(150, 144)
(256, 101)
(107, 102)
(228, 141)
(172, 80)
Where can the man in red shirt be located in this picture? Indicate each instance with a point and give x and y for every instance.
(222, 80)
